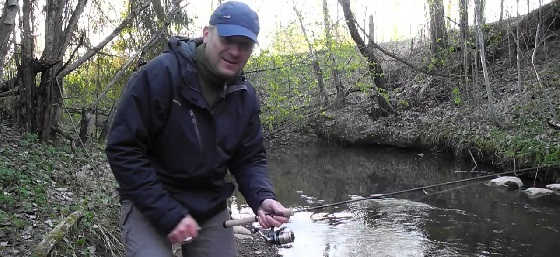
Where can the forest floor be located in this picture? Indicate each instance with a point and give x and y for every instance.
(442, 115)
(43, 184)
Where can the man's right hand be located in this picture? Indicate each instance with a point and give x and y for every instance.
(187, 227)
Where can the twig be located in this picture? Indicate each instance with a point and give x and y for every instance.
(535, 179)
(472, 157)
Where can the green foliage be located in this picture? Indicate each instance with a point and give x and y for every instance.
(529, 149)
(527, 144)
(287, 84)
(86, 84)
(30, 138)
(289, 37)
(384, 93)
(403, 103)
(456, 93)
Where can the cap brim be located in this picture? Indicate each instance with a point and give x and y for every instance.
(228, 30)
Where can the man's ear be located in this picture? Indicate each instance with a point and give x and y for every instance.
(205, 34)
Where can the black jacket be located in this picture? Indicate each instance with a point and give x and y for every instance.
(170, 152)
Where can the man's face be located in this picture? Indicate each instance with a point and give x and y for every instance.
(226, 55)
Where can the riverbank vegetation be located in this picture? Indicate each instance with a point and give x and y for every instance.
(487, 92)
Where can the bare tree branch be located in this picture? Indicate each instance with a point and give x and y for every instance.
(323, 97)
(146, 46)
(91, 52)
(72, 23)
(480, 36)
(80, 43)
(407, 63)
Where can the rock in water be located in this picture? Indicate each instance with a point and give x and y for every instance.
(510, 182)
(554, 187)
(535, 192)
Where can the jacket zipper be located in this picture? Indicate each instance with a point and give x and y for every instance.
(195, 124)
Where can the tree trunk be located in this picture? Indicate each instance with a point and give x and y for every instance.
(7, 25)
(371, 39)
(49, 102)
(480, 36)
(374, 65)
(87, 125)
(26, 113)
(438, 31)
(323, 98)
(501, 10)
(518, 51)
(39, 107)
(464, 27)
(43, 103)
(340, 94)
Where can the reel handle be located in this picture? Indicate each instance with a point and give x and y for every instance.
(238, 222)
(247, 220)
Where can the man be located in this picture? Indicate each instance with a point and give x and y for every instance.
(186, 118)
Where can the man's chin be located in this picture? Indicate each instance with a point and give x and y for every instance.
(227, 75)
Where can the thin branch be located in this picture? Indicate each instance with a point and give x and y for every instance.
(12, 92)
(91, 52)
(407, 63)
(80, 44)
(73, 22)
(123, 69)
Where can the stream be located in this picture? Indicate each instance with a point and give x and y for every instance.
(469, 220)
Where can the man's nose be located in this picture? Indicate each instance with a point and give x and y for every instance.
(235, 49)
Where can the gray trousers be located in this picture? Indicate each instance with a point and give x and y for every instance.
(142, 239)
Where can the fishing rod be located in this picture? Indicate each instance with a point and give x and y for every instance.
(247, 220)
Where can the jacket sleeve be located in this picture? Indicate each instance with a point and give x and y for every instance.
(140, 115)
(249, 166)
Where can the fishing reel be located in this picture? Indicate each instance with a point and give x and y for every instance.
(279, 236)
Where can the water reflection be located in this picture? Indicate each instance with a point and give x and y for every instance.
(475, 220)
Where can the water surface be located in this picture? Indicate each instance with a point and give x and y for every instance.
(472, 220)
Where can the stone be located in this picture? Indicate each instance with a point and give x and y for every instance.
(241, 230)
(535, 192)
(243, 237)
(554, 187)
(509, 182)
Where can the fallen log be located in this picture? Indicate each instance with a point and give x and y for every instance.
(49, 241)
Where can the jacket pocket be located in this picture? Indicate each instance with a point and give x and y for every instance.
(196, 130)
(193, 120)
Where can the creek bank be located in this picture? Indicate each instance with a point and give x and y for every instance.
(439, 117)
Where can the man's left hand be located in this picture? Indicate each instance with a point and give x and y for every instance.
(272, 214)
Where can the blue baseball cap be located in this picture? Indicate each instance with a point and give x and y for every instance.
(236, 19)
